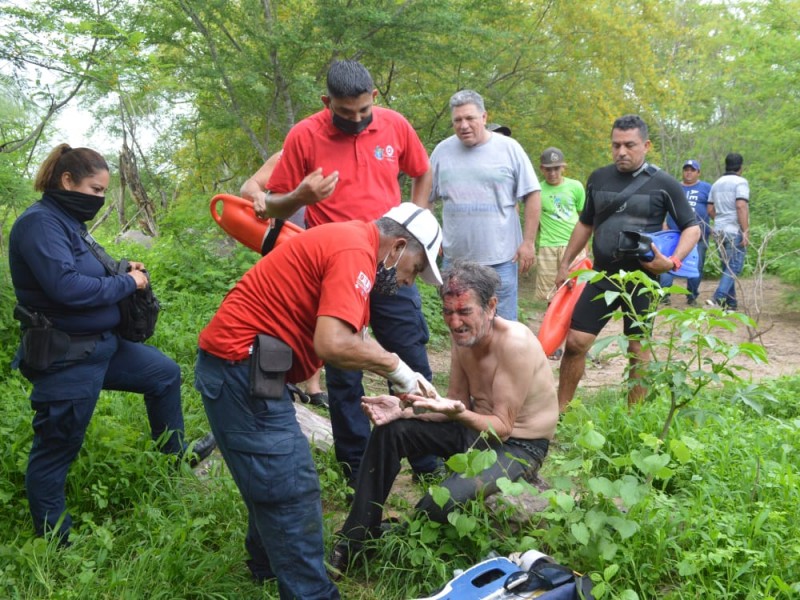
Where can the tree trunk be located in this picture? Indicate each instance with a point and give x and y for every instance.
(129, 176)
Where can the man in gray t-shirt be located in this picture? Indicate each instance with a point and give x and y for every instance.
(728, 205)
(480, 176)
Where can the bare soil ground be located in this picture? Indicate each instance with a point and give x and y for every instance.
(779, 325)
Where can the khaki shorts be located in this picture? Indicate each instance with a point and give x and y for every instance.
(547, 261)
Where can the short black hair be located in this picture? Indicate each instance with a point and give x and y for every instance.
(627, 122)
(349, 79)
(733, 162)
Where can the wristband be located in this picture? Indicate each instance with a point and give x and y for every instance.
(676, 263)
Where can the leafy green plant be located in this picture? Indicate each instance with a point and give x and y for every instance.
(687, 356)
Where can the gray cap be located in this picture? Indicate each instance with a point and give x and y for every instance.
(552, 157)
(497, 128)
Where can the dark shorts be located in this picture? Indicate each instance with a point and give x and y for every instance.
(592, 313)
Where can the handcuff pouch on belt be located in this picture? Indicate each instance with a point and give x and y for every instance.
(270, 360)
(42, 344)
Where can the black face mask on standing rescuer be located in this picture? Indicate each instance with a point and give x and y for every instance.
(386, 277)
(83, 207)
(351, 127)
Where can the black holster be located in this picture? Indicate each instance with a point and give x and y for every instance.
(270, 360)
(42, 344)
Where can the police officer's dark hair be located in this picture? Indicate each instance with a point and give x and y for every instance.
(391, 228)
(627, 122)
(733, 162)
(463, 276)
(78, 162)
(349, 79)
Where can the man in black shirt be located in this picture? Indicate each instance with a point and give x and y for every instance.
(617, 200)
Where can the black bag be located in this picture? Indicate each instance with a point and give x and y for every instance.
(269, 362)
(138, 312)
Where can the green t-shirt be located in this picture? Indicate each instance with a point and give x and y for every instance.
(561, 206)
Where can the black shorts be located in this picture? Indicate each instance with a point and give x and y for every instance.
(592, 313)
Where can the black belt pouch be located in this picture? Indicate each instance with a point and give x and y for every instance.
(42, 346)
(269, 363)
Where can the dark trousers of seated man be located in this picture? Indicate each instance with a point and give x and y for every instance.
(399, 326)
(413, 438)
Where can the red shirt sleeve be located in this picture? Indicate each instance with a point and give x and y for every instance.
(414, 161)
(346, 286)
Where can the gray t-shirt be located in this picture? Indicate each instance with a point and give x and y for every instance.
(723, 196)
(480, 187)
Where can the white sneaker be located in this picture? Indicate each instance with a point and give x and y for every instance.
(712, 303)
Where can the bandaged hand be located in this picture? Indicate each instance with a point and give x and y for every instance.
(403, 378)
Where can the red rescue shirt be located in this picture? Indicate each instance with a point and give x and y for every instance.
(368, 163)
(326, 271)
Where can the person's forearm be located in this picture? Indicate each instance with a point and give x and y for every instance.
(282, 206)
(577, 241)
(743, 214)
(688, 240)
(421, 189)
(481, 423)
(533, 214)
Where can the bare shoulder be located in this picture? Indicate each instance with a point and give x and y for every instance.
(516, 338)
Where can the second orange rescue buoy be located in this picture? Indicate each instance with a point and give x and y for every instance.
(239, 220)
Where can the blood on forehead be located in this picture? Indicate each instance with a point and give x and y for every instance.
(459, 300)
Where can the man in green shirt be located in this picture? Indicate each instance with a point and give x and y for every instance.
(562, 201)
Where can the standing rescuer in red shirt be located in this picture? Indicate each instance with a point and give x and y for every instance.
(311, 297)
(342, 164)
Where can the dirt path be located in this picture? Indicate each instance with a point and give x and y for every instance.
(781, 327)
(781, 335)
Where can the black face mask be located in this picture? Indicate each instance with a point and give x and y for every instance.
(386, 277)
(351, 127)
(83, 207)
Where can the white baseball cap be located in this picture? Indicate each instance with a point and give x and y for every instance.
(421, 223)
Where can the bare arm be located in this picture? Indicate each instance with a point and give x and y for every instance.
(579, 239)
(712, 212)
(254, 187)
(421, 189)
(509, 387)
(743, 214)
(526, 253)
(687, 241)
(336, 343)
(314, 188)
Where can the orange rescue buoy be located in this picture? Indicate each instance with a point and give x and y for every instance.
(239, 220)
(555, 323)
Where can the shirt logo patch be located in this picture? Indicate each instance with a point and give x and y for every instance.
(363, 284)
(390, 151)
(378, 152)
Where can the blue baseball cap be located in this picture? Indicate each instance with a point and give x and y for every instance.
(692, 163)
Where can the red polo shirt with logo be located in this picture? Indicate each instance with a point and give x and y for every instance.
(369, 164)
(326, 271)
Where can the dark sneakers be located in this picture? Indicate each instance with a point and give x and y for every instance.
(338, 561)
(201, 449)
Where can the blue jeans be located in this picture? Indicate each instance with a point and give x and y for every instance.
(731, 255)
(692, 283)
(507, 292)
(64, 398)
(399, 326)
(270, 461)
